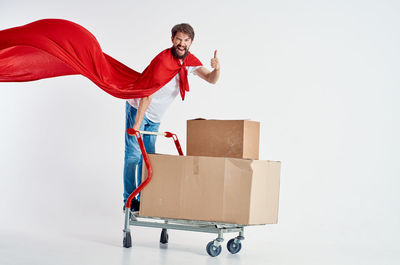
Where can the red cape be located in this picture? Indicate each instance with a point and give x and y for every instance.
(54, 47)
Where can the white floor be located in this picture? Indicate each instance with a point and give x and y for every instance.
(86, 240)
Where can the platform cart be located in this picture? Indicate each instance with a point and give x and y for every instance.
(213, 248)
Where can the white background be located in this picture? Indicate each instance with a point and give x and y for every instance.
(322, 77)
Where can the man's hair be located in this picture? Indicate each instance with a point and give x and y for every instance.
(184, 28)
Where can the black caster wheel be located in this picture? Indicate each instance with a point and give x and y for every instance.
(164, 236)
(213, 250)
(127, 242)
(234, 247)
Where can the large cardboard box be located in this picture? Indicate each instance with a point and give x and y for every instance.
(223, 138)
(228, 190)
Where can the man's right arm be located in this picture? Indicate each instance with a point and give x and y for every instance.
(143, 105)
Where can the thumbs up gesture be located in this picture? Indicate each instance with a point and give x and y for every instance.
(214, 61)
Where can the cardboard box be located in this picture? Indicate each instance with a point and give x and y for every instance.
(227, 190)
(223, 138)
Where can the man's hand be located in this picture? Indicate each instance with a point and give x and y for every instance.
(136, 126)
(215, 61)
(204, 73)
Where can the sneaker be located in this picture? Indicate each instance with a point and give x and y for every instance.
(135, 206)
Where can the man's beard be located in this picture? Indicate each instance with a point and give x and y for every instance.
(176, 55)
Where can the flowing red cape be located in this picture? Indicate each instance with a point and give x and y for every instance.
(55, 47)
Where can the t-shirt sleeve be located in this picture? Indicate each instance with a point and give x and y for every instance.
(192, 69)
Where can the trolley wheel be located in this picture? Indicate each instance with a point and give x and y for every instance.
(213, 250)
(164, 236)
(127, 242)
(234, 247)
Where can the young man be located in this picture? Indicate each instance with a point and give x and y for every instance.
(145, 113)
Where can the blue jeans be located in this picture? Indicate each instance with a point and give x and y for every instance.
(133, 156)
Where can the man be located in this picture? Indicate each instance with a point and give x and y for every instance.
(145, 113)
(48, 48)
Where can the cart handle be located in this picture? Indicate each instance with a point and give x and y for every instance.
(132, 131)
(146, 159)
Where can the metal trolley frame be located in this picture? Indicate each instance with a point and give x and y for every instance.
(213, 248)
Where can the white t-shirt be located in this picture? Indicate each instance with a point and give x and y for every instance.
(162, 98)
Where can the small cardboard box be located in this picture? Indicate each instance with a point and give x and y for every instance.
(227, 190)
(223, 138)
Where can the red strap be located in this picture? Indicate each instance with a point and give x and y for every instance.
(183, 81)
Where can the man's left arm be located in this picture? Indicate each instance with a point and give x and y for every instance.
(204, 73)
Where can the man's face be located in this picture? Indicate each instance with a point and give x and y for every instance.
(180, 45)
